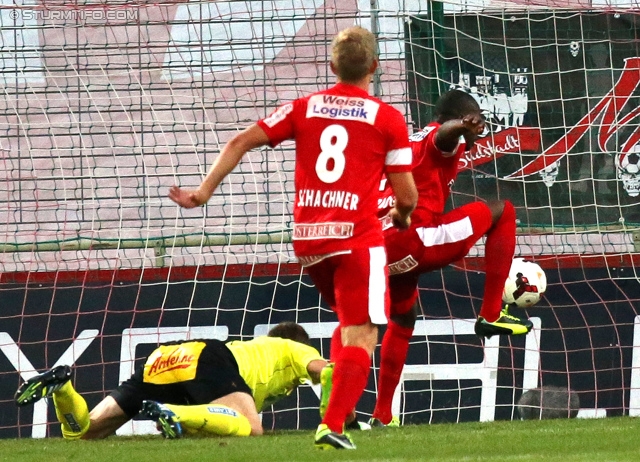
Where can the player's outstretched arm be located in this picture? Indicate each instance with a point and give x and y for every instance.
(448, 134)
(250, 138)
(314, 368)
(406, 194)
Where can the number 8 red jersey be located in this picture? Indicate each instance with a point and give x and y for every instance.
(345, 141)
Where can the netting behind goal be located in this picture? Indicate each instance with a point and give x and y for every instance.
(104, 107)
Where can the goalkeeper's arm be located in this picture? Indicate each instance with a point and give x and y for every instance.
(314, 368)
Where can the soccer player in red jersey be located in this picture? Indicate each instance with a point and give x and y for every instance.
(346, 140)
(437, 239)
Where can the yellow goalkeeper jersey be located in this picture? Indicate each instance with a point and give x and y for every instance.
(272, 367)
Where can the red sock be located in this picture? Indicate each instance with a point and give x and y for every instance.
(336, 344)
(499, 250)
(395, 345)
(350, 375)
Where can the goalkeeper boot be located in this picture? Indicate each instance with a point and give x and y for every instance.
(42, 385)
(166, 420)
(377, 423)
(327, 439)
(506, 324)
(326, 384)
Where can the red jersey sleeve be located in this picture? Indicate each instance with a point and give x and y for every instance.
(429, 143)
(279, 125)
(398, 158)
(421, 142)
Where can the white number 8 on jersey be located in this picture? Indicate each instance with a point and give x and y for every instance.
(332, 150)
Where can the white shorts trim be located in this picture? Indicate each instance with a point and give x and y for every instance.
(446, 234)
(377, 284)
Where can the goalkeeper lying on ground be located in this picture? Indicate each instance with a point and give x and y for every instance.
(218, 389)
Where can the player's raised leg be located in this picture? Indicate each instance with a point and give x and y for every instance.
(494, 318)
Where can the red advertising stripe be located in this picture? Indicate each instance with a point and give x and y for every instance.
(496, 145)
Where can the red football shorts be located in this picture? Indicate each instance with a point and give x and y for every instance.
(423, 248)
(354, 284)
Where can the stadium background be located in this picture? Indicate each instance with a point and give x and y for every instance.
(105, 106)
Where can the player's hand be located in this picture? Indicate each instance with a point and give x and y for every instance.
(186, 198)
(399, 221)
(474, 123)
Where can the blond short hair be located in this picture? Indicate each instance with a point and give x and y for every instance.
(353, 53)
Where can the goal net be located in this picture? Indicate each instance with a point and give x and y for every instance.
(105, 106)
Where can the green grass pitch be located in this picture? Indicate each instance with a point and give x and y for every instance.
(610, 439)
